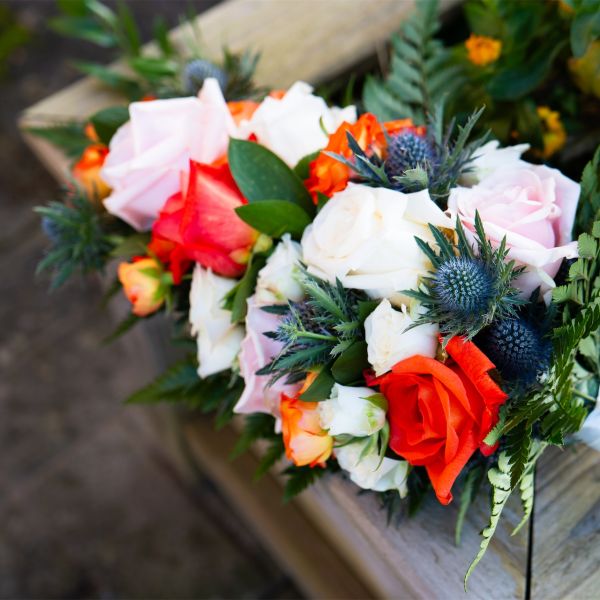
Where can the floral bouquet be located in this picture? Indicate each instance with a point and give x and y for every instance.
(400, 300)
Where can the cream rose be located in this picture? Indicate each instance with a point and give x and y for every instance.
(534, 207)
(292, 126)
(218, 338)
(590, 432)
(369, 472)
(390, 339)
(366, 238)
(149, 153)
(349, 411)
(277, 281)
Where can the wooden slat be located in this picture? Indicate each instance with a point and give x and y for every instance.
(566, 534)
(334, 541)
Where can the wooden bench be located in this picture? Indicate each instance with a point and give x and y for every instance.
(334, 541)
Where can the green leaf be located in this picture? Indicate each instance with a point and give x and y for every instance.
(85, 28)
(299, 478)
(320, 388)
(70, 137)
(585, 27)
(123, 327)
(262, 175)
(154, 68)
(126, 85)
(132, 245)
(302, 168)
(245, 288)
(349, 366)
(256, 426)
(516, 82)
(107, 121)
(275, 217)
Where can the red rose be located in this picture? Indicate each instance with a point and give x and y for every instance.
(440, 413)
(200, 224)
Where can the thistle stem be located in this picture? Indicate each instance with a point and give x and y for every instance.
(584, 396)
(317, 336)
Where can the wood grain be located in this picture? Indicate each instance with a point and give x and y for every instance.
(566, 529)
(334, 541)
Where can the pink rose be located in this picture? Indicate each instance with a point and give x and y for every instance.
(257, 351)
(149, 153)
(533, 206)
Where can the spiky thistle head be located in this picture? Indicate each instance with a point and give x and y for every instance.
(467, 288)
(77, 232)
(315, 330)
(406, 151)
(196, 71)
(517, 348)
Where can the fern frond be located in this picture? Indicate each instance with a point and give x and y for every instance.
(421, 73)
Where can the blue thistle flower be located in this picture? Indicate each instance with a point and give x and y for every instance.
(464, 286)
(517, 349)
(407, 151)
(51, 230)
(197, 70)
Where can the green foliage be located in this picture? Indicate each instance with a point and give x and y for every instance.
(589, 200)
(421, 72)
(320, 388)
(498, 299)
(275, 217)
(257, 426)
(471, 486)
(180, 384)
(272, 454)
(77, 230)
(585, 25)
(300, 478)
(500, 478)
(68, 137)
(261, 175)
(159, 73)
(319, 331)
(236, 300)
(108, 120)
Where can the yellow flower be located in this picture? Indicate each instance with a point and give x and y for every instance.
(554, 134)
(482, 50)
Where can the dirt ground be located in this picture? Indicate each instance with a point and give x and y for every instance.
(88, 505)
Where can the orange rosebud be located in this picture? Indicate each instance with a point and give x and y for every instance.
(144, 284)
(242, 110)
(87, 171)
(306, 442)
(482, 50)
(327, 175)
(90, 133)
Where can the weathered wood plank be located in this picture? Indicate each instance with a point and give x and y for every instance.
(336, 542)
(566, 530)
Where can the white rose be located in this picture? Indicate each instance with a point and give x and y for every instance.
(348, 411)
(389, 339)
(490, 157)
(276, 280)
(291, 126)
(590, 432)
(365, 237)
(369, 471)
(149, 153)
(218, 338)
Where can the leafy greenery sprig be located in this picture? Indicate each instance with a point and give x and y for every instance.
(421, 72)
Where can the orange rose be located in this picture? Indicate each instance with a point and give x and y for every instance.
(440, 413)
(144, 284)
(306, 442)
(327, 175)
(87, 171)
(242, 110)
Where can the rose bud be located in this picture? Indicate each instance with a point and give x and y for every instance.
(145, 284)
